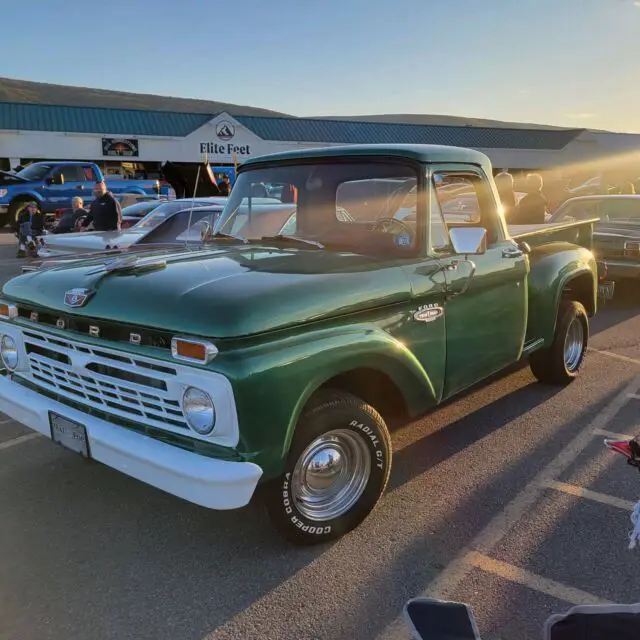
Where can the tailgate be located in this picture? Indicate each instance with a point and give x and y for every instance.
(580, 232)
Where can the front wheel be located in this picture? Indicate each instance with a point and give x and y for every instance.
(561, 362)
(336, 471)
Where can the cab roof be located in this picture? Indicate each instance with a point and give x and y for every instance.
(424, 153)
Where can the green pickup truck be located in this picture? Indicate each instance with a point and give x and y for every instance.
(279, 362)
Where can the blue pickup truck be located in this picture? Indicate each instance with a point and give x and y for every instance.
(54, 184)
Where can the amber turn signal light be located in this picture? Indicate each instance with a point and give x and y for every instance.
(193, 350)
(8, 311)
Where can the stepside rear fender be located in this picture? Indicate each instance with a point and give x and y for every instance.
(555, 267)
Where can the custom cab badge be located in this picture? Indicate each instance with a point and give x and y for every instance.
(428, 313)
(77, 297)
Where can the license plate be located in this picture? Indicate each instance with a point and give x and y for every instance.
(69, 434)
(606, 290)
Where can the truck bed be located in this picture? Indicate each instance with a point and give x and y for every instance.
(580, 232)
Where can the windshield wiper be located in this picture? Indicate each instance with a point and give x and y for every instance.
(218, 235)
(291, 239)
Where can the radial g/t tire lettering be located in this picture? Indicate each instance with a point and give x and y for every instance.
(336, 471)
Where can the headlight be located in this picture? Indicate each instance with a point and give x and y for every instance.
(9, 352)
(199, 411)
(3, 192)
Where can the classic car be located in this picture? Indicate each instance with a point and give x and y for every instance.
(616, 236)
(88, 241)
(281, 360)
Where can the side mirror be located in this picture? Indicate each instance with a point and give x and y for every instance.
(469, 240)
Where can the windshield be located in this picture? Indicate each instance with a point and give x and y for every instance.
(176, 228)
(35, 172)
(608, 209)
(160, 213)
(140, 209)
(341, 205)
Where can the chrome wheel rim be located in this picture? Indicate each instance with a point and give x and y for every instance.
(331, 475)
(574, 345)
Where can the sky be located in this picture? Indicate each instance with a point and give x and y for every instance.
(560, 62)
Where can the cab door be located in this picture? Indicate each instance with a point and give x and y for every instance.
(64, 183)
(485, 312)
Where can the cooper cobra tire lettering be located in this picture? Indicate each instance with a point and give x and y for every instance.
(326, 411)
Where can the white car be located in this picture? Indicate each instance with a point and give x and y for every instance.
(65, 244)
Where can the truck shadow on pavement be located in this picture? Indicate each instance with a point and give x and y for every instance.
(437, 525)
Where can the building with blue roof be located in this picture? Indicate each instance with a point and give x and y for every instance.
(124, 137)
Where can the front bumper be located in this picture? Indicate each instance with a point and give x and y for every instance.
(211, 483)
(4, 208)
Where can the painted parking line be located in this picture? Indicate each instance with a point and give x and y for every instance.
(581, 492)
(531, 580)
(19, 440)
(520, 506)
(612, 434)
(616, 356)
(501, 524)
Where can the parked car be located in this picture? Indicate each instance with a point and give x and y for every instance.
(127, 199)
(281, 359)
(92, 241)
(616, 236)
(133, 213)
(53, 185)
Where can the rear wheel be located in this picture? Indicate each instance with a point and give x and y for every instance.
(336, 471)
(560, 363)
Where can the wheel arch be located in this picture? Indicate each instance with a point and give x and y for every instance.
(397, 390)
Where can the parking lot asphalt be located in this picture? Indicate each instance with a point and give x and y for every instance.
(504, 498)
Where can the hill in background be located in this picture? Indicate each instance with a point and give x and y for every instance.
(12, 90)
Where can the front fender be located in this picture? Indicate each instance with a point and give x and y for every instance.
(25, 194)
(553, 266)
(273, 381)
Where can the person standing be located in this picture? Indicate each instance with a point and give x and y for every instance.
(70, 217)
(225, 185)
(532, 209)
(104, 213)
(506, 191)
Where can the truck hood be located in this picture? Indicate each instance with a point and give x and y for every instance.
(85, 241)
(7, 179)
(221, 292)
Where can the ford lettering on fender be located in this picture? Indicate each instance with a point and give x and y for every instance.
(279, 358)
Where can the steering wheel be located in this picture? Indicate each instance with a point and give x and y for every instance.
(386, 225)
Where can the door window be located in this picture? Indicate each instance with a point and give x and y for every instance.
(466, 199)
(70, 173)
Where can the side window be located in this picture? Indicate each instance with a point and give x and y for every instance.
(458, 199)
(620, 210)
(465, 198)
(71, 173)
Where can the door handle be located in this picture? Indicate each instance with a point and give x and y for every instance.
(512, 253)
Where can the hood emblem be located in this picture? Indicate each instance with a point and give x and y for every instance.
(77, 297)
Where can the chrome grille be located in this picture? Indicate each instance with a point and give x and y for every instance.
(127, 386)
